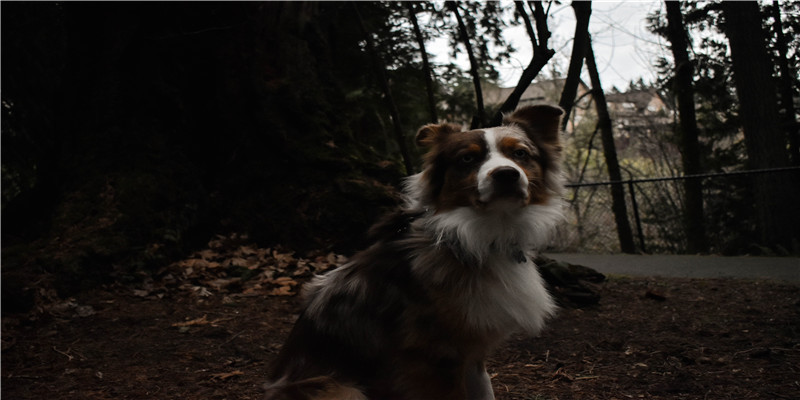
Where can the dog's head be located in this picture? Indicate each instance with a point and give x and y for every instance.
(506, 167)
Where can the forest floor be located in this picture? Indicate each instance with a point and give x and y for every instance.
(207, 328)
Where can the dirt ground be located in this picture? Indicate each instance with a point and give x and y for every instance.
(207, 328)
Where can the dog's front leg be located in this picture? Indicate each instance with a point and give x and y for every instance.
(479, 385)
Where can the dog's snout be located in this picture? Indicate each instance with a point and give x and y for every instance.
(505, 175)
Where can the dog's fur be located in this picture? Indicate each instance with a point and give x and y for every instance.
(449, 275)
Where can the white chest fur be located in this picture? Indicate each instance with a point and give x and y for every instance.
(497, 290)
(509, 296)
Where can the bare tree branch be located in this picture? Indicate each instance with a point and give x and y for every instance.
(541, 55)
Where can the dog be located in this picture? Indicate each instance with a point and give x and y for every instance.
(448, 277)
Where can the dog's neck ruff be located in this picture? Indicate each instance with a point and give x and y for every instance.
(513, 252)
(475, 236)
(499, 288)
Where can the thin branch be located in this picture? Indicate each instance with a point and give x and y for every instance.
(527, 20)
(426, 68)
(478, 120)
(541, 56)
(540, 16)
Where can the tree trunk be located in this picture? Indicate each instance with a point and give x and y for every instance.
(583, 11)
(478, 120)
(541, 55)
(687, 130)
(787, 94)
(380, 73)
(426, 67)
(775, 194)
(610, 151)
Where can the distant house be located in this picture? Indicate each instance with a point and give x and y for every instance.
(635, 112)
(637, 102)
(545, 91)
(638, 112)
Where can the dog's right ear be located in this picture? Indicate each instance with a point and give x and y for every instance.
(432, 133)
(541, 121)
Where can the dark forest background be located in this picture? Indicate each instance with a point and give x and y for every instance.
(134, 132)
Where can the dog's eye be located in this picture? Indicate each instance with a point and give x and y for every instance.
(521, 154)
(468, 159)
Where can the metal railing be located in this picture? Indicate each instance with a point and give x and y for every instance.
(655, 208)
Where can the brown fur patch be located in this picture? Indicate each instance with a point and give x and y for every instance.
(508, 144)
(542, 125)
(451, 167)
(433, 133)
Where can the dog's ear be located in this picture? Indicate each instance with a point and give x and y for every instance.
(541, 122)
(432, 133)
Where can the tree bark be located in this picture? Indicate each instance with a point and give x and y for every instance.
(787, 94)
(380, 73)
(541, 55)
(426, 67)
(610, 152)
(583, 11)
(775, 194)
(688, 131)
(478, 120)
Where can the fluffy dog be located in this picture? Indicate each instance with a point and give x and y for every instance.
(448, 278)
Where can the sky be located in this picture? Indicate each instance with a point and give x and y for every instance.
(624, 48)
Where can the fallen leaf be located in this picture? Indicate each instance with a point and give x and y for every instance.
(282, 291)
(246, 250)
(208, 254)
(201, 291)
(284, 281)
(197, 321)
(220, 284)
(331, 257)
(320, 266)
(301, 270)
(236, 262)
(217, 242)
(200, 321)
(226, 375)
(283, 259)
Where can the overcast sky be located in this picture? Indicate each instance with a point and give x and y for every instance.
(624, 48)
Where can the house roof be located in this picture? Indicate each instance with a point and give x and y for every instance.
(640, 98)
(538, 91)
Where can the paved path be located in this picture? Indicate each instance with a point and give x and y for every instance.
(680, 266)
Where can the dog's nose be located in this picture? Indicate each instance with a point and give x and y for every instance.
(505, 175)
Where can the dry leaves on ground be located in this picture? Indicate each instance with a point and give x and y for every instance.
(231, 266)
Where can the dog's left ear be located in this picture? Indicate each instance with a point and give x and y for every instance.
(541, 122)
(431, 134)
